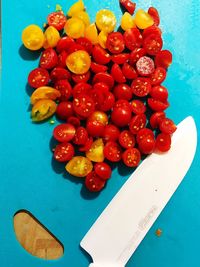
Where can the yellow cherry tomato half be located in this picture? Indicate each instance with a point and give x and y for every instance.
(44, 92)
(75, 8)
(43, 109)
(75, 28)
(52, 36)
(102, 38)
(33, 37)
(82, 15)
(95, 153)
(143, 20)
(127, 21)
(78, 62)
(79, 166)
(91, 33)
(106, 20)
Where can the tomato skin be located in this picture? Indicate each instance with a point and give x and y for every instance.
(93, 182)
(95, 128)
(121, 116)
(83, 105)
(143, 20)
(129, 71)
(153, 44)
(144, 133)
(163, 59)
(137, 123)
(131, 157)
(105, 78)
(64, 132)
(79, 166)
(151, 30)
(86, 43)
(157, 105)
(59, 73)
(81, 78)
(122, 91)
(156, 118)
(167, 126)
(141, 86)
(111, 133)
(74, 121)
(145, 66)
(153, 12)
(64, 44)
(147, 145)
(117, 73)
(163, 142)
(103, 170)
(57, 20)
(112, 151)
(128, 5)
(81, 88)
(109, 101)
(65, 89)
(136, 54)
(81, 136)
(133, 38)
(62, 59)
(100, 55)
(96, 68)
(64, 110)
(126, 139)
(115, 43)
(138, 107)
(158, 76)
(159, 92)
(75, 47)
(64, 152)
(101, 87)
(38, 77)
(48, 59)
(120, 58)
(87, 145)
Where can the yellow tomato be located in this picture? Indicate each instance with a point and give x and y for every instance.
(79, 166)
(82, 15)
(43, 109)
(99, 116)
(143, 20)
(127, 21)
(52, 36)
(102, 38)
(75, 8)
(78, 62)
(75, 28)
(95, 153)
(91, 33)
(44, 92)
(106, 20)
(33, 37)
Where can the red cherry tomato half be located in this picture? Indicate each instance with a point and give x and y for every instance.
(108, 103)
(103, 170)
(64, 132)
(115, 43)
(157, 105)
(141, 86)
(144, 133)
(122, 103)
(159, 92)
(87, 145)
(100, 55)
(48, 59)
(74, 121)
(81, 89)
(153, 44)
(128, 5)
(83, 105)
(120, 58)
(101, 87)
(96, 68)
(151, 30)
(59, 74)
(167, 126)
(111, 133)
(64, 110)
(112, 151)
(163, 142)
(81, 78)
(95, 128)
(126, 139)
(75, 47)
(153, 12)
(156, 118)
(64, 44)
(131, 157)
(81, 136)
(62, 59)
(85, 43)
(158, 76)
(105, 78)
(57, 20)
(123, 91)
(133, 38)
(129, 71)
(93, 182)
(145, 66)
(38, 77)
(65, 89)
(121, 116)
(147, 145)
(64, 152)
(138, 107)
(163, 59)
(117, 73)
(137, 123)
(136, 54)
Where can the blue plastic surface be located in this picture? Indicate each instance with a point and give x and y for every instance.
(28, 178)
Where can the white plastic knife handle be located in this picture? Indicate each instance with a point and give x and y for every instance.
(105, 265)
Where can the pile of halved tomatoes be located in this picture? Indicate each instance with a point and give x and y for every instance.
(104, 86)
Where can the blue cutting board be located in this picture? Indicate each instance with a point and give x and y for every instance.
(30, 180)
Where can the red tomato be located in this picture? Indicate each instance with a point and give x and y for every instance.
(117, 73)
(167, 126)
(101, 87)
(141, 86)
(38, 77)
(93, 182)
(85, 43)
(159, 92)
(137, 123)
(48, 59)
(147, 145)
(64, 152)
(59, 74)
(163, 142)
(158, 76)
(65, 89)
(144, 133)
(129, 71)
(81, 78)
(111, 133)
(156, 118)
(95, 128)
(126, 139)
(151, 30)
(138, 107)
(64, 110)
(81, 136)
(74, 121)
(131, 157)
(163, 59)
(109, 101)
(103, 170)
(136, 54)
(115, 43)
(112, 151)
(128, 5)
(81, 89)
(120, 58)
(100, 55)
(121, 116)
(62, 59)
(75, 47)
(105, 78)
(145, 66)
(87, 145)
(64, 44)
(96, 68)
(122, 103)
(64, 132)
(57, 20)
(123, 91)
(153, 44)
(153, 12)
(133, 38)
(157, 105)
(83, 105)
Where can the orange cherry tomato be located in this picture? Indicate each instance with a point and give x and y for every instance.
(43, 109)
(75, 28)
(102, 38)
(95, 153)
(143, 20)
(44, 92)
(91, 33)
(33, 37)
(82, 15)
(106, 20)
(75, 8)
(52, 36)
(79, 166)
(78, 62)
(99, 116)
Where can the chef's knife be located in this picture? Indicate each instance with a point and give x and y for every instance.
(125, 221)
